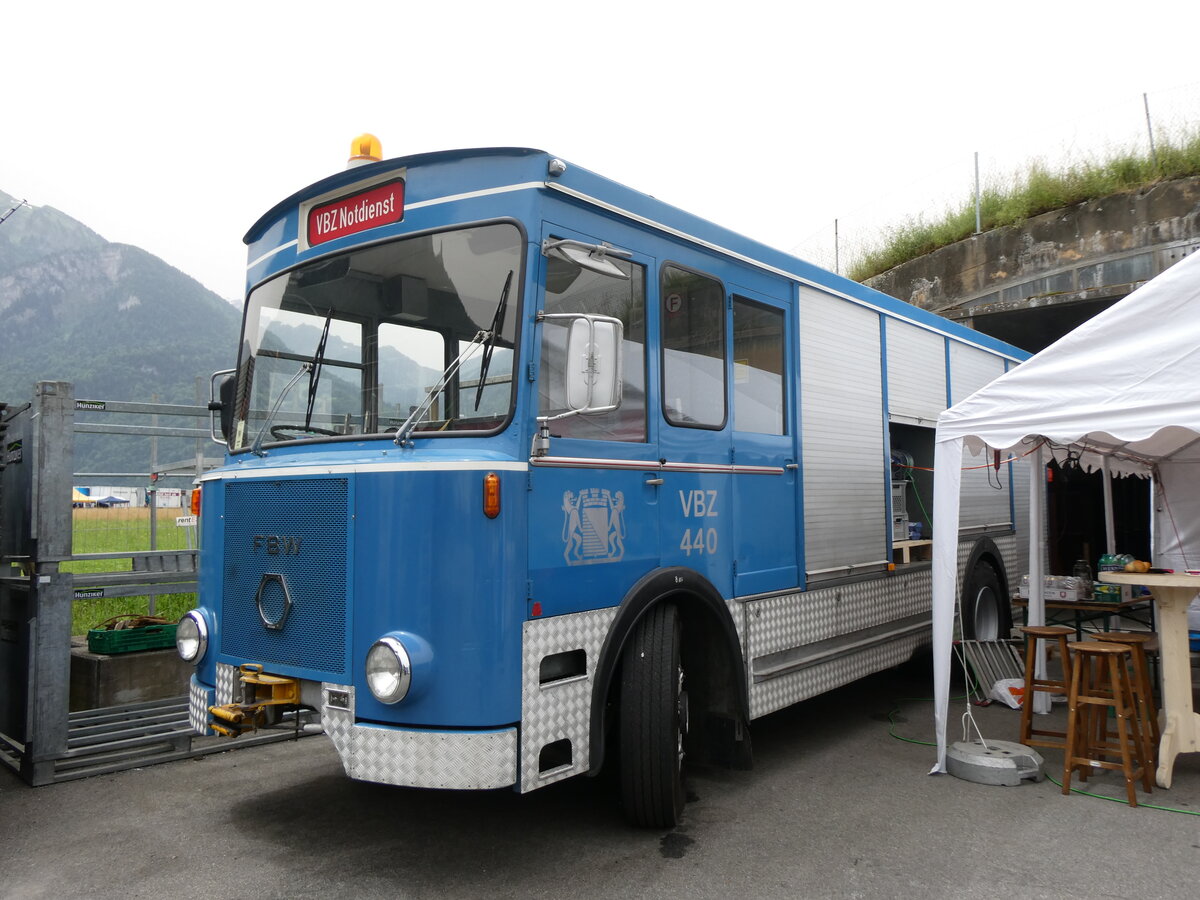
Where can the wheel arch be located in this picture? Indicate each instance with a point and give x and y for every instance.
(987, 553)
(712, 655)
(985, 550)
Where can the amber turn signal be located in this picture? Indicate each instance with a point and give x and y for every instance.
(491, 495)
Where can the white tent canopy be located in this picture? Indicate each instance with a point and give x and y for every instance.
(1120, 393)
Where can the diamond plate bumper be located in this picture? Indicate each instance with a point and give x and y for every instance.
(460, 760)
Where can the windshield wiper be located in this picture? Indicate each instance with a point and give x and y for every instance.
(497, 327)
(256, 447)
(314, 374)
(410, 423)
(313, 368)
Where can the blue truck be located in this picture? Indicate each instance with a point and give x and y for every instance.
(530, 473)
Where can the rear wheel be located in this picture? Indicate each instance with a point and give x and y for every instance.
(654, 721)
(986, 615)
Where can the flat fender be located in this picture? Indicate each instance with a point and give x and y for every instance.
(691, 589)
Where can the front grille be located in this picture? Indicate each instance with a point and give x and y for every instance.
(295, 529)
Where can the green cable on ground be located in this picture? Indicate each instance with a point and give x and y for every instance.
(892, 723)
(1184, 812)
(896, 708)
(1050, 778)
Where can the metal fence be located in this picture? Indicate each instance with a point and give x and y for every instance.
(79, 546)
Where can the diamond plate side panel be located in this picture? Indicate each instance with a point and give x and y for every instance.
(339, 723)
(785, 690)
(794, 620)
(886, 600)
(459, 760)
(737, 612)
(200, 698)
(559, 710)
(227, 684)
(789, 621)
(964, 551)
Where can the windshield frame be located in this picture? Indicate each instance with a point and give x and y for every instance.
(368, 362)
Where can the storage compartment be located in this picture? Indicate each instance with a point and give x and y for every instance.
(911, 481)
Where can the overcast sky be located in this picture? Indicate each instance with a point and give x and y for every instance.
(174, 126)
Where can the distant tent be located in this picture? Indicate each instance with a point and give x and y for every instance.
(79, 498)
(111, 501)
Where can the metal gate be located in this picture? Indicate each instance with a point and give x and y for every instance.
(39, 736)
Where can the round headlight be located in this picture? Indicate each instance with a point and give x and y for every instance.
(191, 637)
(389, 670)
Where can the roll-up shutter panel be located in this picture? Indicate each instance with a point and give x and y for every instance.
(916, 373)
(985, 493)
(842, 435)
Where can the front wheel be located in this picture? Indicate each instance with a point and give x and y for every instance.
(986, 615)
(654, 721)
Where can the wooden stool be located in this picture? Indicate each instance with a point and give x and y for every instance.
(1143, 687)
(1030, 736)
(1099, 682)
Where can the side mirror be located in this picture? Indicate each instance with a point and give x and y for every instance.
(592, 373)
(221, 401)
(594, 364)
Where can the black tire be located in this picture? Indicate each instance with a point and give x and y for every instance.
(985, 614)
(653, 721)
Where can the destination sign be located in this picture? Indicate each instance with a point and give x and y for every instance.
(381, 205)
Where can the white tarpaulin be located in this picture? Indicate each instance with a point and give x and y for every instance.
(1124, 386)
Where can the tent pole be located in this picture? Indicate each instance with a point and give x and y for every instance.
(1037, 601)
(947, 479)
(1110, 531)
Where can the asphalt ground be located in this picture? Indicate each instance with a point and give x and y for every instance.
(837, 805)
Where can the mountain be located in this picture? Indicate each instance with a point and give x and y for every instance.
(116, 321)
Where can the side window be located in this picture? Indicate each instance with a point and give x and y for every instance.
(570, 288)
(758, 394)
(693, 361)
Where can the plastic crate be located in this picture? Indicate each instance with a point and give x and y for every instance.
(126, 640)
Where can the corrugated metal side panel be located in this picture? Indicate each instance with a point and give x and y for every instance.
(842, 433)
(970, 369)
(985, 492)
(984, 496)
(916, 371)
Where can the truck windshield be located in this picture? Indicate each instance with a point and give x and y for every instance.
(370, 334)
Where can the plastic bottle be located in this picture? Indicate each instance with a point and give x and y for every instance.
(1108, 563)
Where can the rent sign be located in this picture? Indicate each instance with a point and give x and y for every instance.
(380, 205)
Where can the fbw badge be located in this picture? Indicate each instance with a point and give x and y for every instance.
(593, 526)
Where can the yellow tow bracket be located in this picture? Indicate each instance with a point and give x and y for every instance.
(259, 691)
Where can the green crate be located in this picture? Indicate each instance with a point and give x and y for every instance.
(126, 640)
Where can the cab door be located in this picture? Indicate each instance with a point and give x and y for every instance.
(765, 458)
(593, 502)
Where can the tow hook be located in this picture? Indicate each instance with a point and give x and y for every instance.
(260, 692)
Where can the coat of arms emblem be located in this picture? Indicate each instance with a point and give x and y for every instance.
(593, 526)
